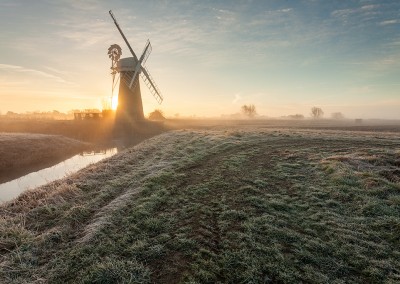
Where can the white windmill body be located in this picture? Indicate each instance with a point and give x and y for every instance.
(130, 107)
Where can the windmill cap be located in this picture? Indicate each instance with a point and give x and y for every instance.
(126, 64)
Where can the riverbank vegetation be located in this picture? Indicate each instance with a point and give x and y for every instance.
(206, 206)
(22, 152)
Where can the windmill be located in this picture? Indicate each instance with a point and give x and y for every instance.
(130, 107)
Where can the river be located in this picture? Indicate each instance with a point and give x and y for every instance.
(11, 189)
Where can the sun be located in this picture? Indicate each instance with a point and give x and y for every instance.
(114, 102)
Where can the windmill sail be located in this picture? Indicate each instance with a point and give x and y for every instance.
(146, 52)
(127, 79)
(140, 63)
(148, 80)
(122, 34)
(130, 106)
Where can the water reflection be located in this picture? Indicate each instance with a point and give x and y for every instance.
(12, 189)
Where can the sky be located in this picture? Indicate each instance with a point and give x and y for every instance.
(209, 57)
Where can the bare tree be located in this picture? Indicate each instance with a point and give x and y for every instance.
(337, 115)
(249, 110)
(316, 112)
(157, 114)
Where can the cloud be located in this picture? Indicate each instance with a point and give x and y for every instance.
(84, 32)
(87, 5)
(360, 90)
(57, 71)
(285, 10)
(223, 12)
(16, 68)
(10, 4)
(237, 98)
(363, 11)
(343, 13)
(369, 7)
(7, 82)
(389, 22)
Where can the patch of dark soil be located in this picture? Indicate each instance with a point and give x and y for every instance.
(391, 175)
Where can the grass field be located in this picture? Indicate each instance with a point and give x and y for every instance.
(99, 131)
(81, 130)
(23, 152)
(233, 205)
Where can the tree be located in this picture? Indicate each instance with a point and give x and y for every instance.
(296, 116)
(249, 110)
(156, 115)
(316, 112)
(337, 115)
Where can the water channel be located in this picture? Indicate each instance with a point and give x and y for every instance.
(12, 189)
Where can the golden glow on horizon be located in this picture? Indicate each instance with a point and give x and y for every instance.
(114, 102)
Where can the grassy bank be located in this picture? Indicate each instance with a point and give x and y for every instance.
(23, 152)
(88, 130)
(99, 131)
(253, 206)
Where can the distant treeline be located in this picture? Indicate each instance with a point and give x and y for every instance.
(52, 115)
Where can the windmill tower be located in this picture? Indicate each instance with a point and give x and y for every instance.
(130, 107)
